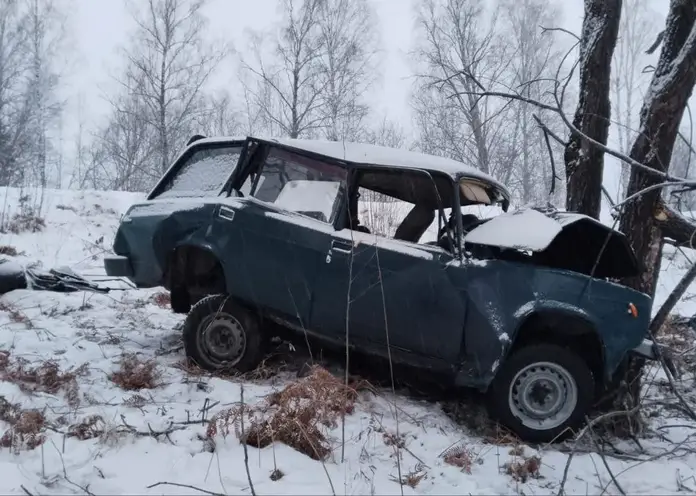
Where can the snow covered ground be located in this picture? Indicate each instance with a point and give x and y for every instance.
(103, 439)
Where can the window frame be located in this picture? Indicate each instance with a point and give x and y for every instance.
(186, 156)
(257, 162)
(355, 185)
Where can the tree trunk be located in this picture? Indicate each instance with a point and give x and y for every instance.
(584, 162)
(642, 218)
(664, 105)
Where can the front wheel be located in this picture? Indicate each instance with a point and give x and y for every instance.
(220, 335)
(542, 392)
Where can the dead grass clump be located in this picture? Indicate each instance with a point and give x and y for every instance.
(16, 316)
(9, 251)
(522, 470)
(459, 456)
(411, 479)
(135, 374)
(4, 360)
(26, 427)
(45, 377)
(161, 299)
(91, 427)
(297, 415)
(25, 221)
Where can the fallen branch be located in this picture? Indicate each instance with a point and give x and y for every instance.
(244, 441)
(187, 486)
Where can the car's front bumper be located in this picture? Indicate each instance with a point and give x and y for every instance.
(648, 349)
(118, 266)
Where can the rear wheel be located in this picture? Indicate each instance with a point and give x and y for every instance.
(219, 334)
(542, 392)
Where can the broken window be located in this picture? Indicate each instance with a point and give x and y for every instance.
(300, 184)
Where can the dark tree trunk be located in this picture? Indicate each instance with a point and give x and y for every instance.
(642, 219)
(669, 92)
(584, 162)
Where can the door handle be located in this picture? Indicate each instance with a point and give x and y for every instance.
(342, 246)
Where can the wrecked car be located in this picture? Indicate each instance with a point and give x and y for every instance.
(523, 306)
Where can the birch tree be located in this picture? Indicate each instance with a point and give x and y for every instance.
(630, 76)
(458, 48)
(45, 34)
(15, 108)
(531, 68)
(168, 65)
(348, 36)
(286, 81)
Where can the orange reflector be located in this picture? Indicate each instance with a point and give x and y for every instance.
(632, 310)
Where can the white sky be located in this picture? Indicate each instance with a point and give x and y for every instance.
(98, 27)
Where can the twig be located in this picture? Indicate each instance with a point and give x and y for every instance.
(546, 131)
(604, 461)
(391, 367)
(187, 486)
(314, 448)
(244, 441)
(561, 489)
(151, 432)
(26, 491)
(65, 473)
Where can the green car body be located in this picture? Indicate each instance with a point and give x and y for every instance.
(459, 311)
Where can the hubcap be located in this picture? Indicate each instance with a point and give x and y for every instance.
(543, 395)
(223, 338)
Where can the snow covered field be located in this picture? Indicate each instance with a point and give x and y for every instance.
(100, 438)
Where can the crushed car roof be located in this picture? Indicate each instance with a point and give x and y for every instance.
(366, 154)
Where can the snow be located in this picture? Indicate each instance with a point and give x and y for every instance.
(94, 329)
(363, 153)
(205, 173)
(309, 196)
(521, 229)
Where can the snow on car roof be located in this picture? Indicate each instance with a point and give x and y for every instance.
(366, 154)
(363, 153)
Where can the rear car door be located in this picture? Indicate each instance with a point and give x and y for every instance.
(279, 233)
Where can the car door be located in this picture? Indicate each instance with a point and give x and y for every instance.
(278, 235)
(392, 292)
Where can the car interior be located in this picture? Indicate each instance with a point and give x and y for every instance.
(427, 194)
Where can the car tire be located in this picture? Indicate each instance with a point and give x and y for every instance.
(542, 392)
(221, 335)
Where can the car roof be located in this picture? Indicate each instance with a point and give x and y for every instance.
(366, 154)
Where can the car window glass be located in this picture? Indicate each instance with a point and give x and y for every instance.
(300, 184)
(203, 174)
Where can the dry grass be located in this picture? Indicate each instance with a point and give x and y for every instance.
(297, 415)
(459, 456)
(8, 250)
(412, 478)
(161, 299)
(521, 470)
(26, 427)
(89, 428)
(135, 374)
(46, 377)
(25, 221)
(16, 315)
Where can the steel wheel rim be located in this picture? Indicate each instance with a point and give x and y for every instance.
(222, 338)
(543, 395)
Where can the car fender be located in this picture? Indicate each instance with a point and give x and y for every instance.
(554, 309)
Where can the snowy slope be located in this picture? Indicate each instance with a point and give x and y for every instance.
(89, 334)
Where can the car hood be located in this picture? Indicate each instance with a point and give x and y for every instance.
(561, 239)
